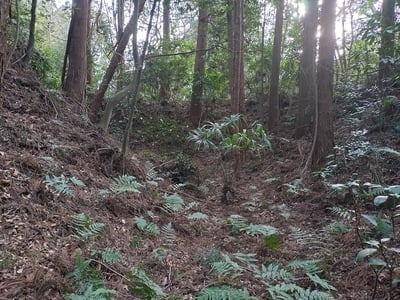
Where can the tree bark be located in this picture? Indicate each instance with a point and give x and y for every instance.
(306, 103)
(165, 88)
(324, 138)
(273, 107)
(4, 9)
(31, 38)
(199, 68)
(387, 41)
(75, 82)
(235, 43)
(130, 29)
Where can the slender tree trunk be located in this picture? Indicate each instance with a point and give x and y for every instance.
(305, 108)
(387, 41)
(235, 42)
(273, 107)
(4, 9)
(130, 29)
(165, 88)
(75, 81)
(324, 138)
(31, 39)
(199, 68)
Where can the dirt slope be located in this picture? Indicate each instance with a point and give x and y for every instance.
(41, 135)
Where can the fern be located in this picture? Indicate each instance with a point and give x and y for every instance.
(227, 267)
(318, 281)
(84, 227)
(274, 271)
(145, 226)
(111, 255)
(60, 184)
(311, 241)
(87, 281)
(224, 293)
(343, 212)
(125, 183)
(310, 266)
(160, 253)
(142, 286)
(197, 216)
(291, 291)
(258, 229)
(173, 203)
(249, 259)
(169, 235)
(237, 222)
(77, 181)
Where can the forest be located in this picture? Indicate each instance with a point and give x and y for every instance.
(198, 149)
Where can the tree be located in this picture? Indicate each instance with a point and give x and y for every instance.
(165, 92)
(387, 49)
(306, 102)
(273, 107)
(235, 43)
(75, 61)
(199, 67)
(130, 29)
(31, 39)
(323, 136)
(4, 8)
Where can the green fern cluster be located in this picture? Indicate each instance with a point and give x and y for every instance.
(61, 184)
(239, 224)
(224, 292)
(84, 226)
(124, 184)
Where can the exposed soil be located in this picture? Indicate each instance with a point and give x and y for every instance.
(41, 134)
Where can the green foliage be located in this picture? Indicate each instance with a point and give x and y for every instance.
(6, 261)
(141, 286)
(227, 267)
(237, 223)
(259, 229)
(197, 216)
(125, 183)
(84, 226)
(61, 184)
(173, 203)
(88, 282)
(272, 242)
(111, 255)
(274, 271)
(137, 242)
(291, 291)
(145, 226)
(223, 293)
(168, 233)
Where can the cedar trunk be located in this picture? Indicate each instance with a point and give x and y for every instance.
(75, 82)
(324, 139)
(305, 108)
(199, 68)
(273, 107)
(4, 8)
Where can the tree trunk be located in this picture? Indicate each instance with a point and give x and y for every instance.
(165, 89)
(130, 29)
(387, 42)
(235, 42)
(306, 103)
(199, 68)
(31, 39)
(4, 9)
(324, 138)
(273, 107)
(75, 82)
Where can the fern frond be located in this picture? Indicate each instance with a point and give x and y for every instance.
(111, 255)
(142, 286)
(84, 227)
(224, 293)
(310, 266)
(249, 259)
(274, 271)
(284, 291)
(237, 222)
(343, 213)
(60, 184)
(197, 216)
(160, 253)
(125, 183)
(169, 235)
(321, 282)
(77, 181)
(311, 241)
(174, 202)
(145, 226)
(227, 267)
(259, 229)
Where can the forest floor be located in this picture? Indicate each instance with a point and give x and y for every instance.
(42, 136)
